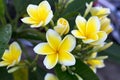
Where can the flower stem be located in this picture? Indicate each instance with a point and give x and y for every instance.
(35, 60)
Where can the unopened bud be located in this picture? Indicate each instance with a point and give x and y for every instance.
(13, 69)
(101, 57)
(106, 46)
(78, 47)
(63, 68)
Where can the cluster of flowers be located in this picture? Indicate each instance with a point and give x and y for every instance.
(92, 32)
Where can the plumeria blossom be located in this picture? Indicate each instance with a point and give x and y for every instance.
(99, 11)
(105, 25)
(56, 49)
(50, 76)
(89, 31)
(62, 26)
(11, 56)
(94, 63)
(39, 15)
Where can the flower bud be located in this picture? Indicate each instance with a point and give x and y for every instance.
(106, 46)
(105, 25)
(63, 68)
(62, 26)
(100, 11)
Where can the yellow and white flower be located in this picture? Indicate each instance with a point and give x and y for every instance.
(56, 49)
(50, 76)
(11, 56)
(62, 26)
(89, 31)
(99, 11)
(105, 25)
(39, 15)
(94, 63)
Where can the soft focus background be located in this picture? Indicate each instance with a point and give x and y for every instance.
(112, 69)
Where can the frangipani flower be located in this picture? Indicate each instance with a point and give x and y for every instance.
(56, 49)
(89, 31)
(62, 26)
(11, 56)
(95, 63)
(100, 11)
(105, 25)
(38, 15)
(50, 76)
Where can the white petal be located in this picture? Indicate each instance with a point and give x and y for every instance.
(43, 49)
(50, 60)
(32, 10)
(53, 38)
(50, 76)
(81, 24)
(66, 58)
(68, 43)
(49, 17)
(3, 63)
(37, 25)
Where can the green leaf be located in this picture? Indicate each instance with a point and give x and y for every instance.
(113, 52)
(84, 71)
(2, 8)
(5, 35)
(21, 74)
(4, 75)
(64, 75)
(32, 34)
(81, 69)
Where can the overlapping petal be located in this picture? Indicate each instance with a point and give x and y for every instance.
(78, 34)
(81, 24)
(88, 40)
(66, 58)
(32, 10)
(93, 25)
(48, 18)
(28, 20)
(53, 38)
(44, 5)
(102, 36)
(45, 12)
(67, 44)
(43, 49)
(36, 25)
(15, 51)
(50, 60)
